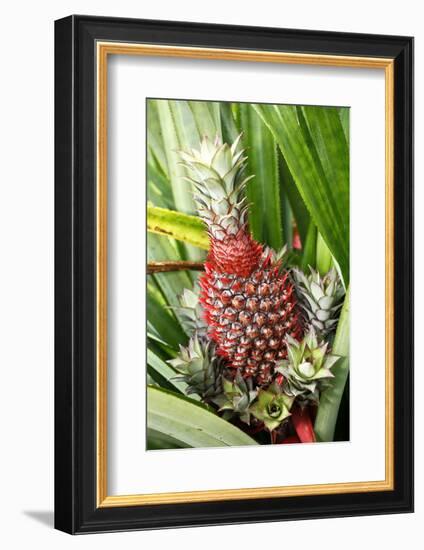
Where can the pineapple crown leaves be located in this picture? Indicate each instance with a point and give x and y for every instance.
(236, 397)
(199, 367)
(272, 406)
(216, 170)
(307, 366)
(321, 298)
(216, 161)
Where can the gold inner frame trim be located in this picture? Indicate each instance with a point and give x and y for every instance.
(104, 49)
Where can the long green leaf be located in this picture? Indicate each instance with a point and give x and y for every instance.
(300, 212)
(183, 227)
(287, 219)
(158, 344)
(344, 113)
(185, 124)
(230, 131)
(328, 409)
(155, 144)
(207, 118)
(310, 248)
(325, 123)
(158, 186)
(180, 187)
(324, 190)
(263, 191)
(324, 256)
(329, 137)
(190, 423)
(158, 441)
(161, 319)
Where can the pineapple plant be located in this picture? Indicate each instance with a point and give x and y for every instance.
(199, 366)
(249, 301)
(272, 407)
(307, 367)
(321, 298)
(190, 311)
(251, 337)
(236, 397)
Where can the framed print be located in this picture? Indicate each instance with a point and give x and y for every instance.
(234, 274)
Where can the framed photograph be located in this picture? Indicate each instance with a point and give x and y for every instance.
(234, 274)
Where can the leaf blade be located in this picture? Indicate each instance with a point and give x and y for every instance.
(187, 421)
(263, 191)
(180, 226)
(327, 204)
(161, 319)
(162, 372)
(325, 422)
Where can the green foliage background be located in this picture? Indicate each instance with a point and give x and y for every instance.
(300, 158)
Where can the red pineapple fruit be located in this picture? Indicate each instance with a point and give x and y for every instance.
(249, 303)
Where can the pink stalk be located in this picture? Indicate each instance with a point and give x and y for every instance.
(303, 425)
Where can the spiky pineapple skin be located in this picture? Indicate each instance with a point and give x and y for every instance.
(250, 315)
(235, 254)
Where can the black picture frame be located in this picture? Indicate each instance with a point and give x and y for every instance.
(76, 510)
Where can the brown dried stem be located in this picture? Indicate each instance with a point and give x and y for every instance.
(165, 267)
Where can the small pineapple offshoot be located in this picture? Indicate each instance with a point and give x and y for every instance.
(321, 298)
(190, 313)
(272, 406)
(236, 398)
(199, 367)
(307, 367)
